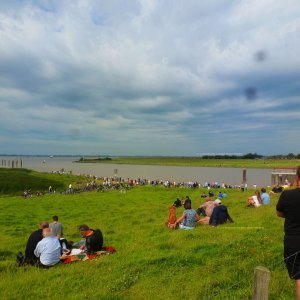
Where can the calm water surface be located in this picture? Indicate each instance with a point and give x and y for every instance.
(260, 177)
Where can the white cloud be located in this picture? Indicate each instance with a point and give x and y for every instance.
(147, 71)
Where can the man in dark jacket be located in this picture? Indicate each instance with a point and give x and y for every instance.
(220, 214)
(33, 240)
(93, 239)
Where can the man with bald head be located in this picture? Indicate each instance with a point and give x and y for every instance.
(48, 250)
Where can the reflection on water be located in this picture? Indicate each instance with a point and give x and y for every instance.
(260, 177)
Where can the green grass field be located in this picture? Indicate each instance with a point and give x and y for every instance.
(199, 162)
(151, 262)
(16, 181)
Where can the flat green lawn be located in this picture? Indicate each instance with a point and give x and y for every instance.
(151, 262)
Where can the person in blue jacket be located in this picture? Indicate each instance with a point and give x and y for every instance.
(220, 214)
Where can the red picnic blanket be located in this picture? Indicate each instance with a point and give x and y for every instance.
(66, 259)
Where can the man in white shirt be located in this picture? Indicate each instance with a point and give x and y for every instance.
(48, 249)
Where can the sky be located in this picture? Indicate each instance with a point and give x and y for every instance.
(149, 77)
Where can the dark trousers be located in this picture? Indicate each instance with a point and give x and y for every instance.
(292, 256)
(201, 211)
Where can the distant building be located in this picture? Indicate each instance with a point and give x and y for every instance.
(281, 176)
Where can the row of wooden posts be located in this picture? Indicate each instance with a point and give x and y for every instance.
(14, 163)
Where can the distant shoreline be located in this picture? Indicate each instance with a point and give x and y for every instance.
(181, 161)
(195, 162)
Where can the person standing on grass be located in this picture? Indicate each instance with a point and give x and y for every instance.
(288, 207)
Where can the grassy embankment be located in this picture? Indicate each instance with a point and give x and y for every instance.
(151, 262)
(198, 162)
(16, 181)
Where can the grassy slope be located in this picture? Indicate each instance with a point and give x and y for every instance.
(151, 262)
(16, 181)
(199, 162)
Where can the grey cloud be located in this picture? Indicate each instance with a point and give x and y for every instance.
(146, 71)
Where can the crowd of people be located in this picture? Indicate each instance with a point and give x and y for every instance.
(211, 212)
(214, 213)
(46, 245)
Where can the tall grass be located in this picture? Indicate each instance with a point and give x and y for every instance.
(151, 262)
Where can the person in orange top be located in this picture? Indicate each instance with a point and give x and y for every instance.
(172, 217)
(93, 239)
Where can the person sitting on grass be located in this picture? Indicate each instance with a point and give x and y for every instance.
(206, 210)
(33, 240)
(48, 249)
(189, 217)
(57, 230)
(265, 197)
(276, 189)
(93, 239)
(177, 203)
(255, 200)
(56, 227)
(172, 216)
(220, 214)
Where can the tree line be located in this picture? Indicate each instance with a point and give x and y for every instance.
(253, 156)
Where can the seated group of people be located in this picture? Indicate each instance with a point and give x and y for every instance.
(213, 212)
(45, 246)
(259, 199)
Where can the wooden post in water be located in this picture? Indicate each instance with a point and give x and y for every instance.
(261, 283)
(244, 176)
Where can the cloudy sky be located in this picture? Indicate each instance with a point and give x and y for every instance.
(149, 77)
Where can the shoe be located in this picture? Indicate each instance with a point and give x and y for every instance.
(20, 259)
